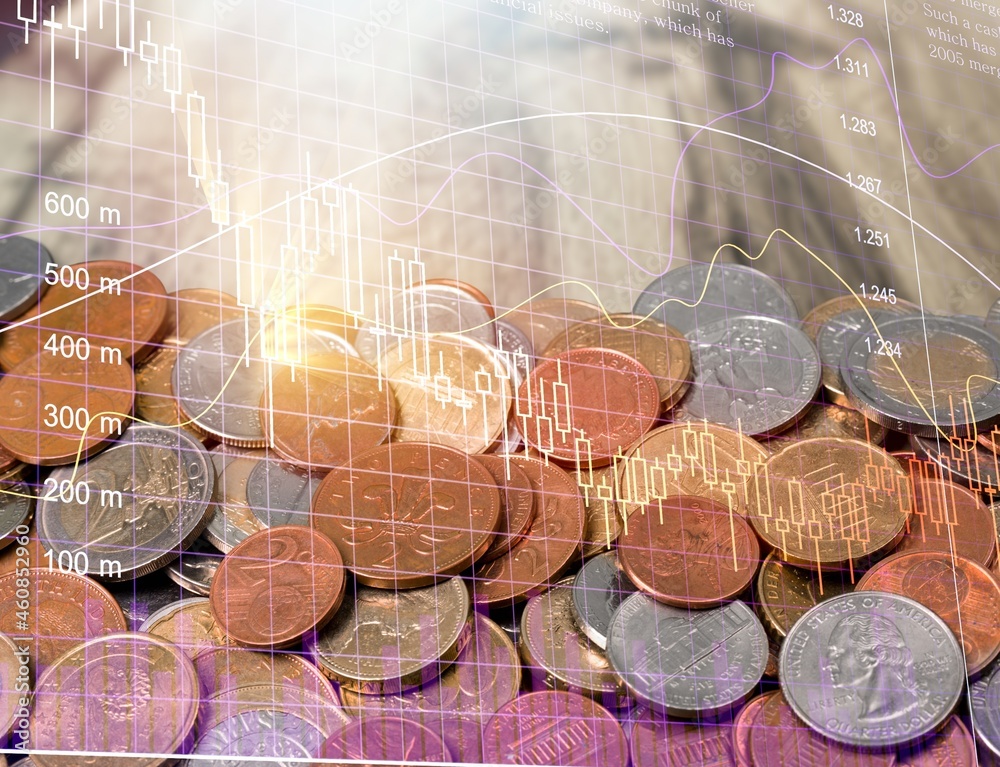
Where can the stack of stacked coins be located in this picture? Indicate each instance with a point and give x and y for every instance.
(707, 532)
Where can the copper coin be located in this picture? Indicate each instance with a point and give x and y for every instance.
(585, 405)
(603, 525)
(952, 746)
(555, 728)
(385, 740)
(963, 593)
(780, 738)
(785, 593)
(830, 501)
(990, 439)
(450, 390)
(125, 313)
(547, 549)
(325, 321)
(25, 552)
(471, 290)
(689, 552)
(743, 728)
(277, 585)
(57, 410)
(517, 504)
(661, 349)
(699, 459)
(545, 319)
(824, 420)
(948, 517)
(230, 668)
(192, 311)
(408, 514)
(125, 693)
(657, 742)
(320, 414)
(63, 609)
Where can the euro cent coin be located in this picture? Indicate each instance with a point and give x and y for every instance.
(277, 585)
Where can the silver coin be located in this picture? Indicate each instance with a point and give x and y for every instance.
(385, 642)
(422, 310)
(22, 270)
(280, 494)
(838, 334)
(598, 590)
(510, 440)
(992, 321)
(965, 461)
(195, 568)
(731, 291)
(961, 355)
(231, 520)
(17, 505)
(560, 656)
(508, 618)
(264, 733)
(687, 662)
(984, 699)
(219, 377)
(133, 508)
(512, 342)
(755, 374)
(872, 669)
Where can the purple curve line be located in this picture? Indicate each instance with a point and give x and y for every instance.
(687, 145)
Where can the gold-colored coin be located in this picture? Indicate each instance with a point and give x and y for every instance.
(697, 459)
(189, 624)
(824, 420)
(560, 656)
(155, 401)
(660, 348)
(785, 593)
(129, 694)
(830, 501)
(602, 525)
(450, 391)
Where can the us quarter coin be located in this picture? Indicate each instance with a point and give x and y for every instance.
(872, 669)
(146, 500)
(687, 663)
(701, 294)
(985, 701)
(755, 373)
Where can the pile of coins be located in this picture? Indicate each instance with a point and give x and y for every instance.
(706, 532)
